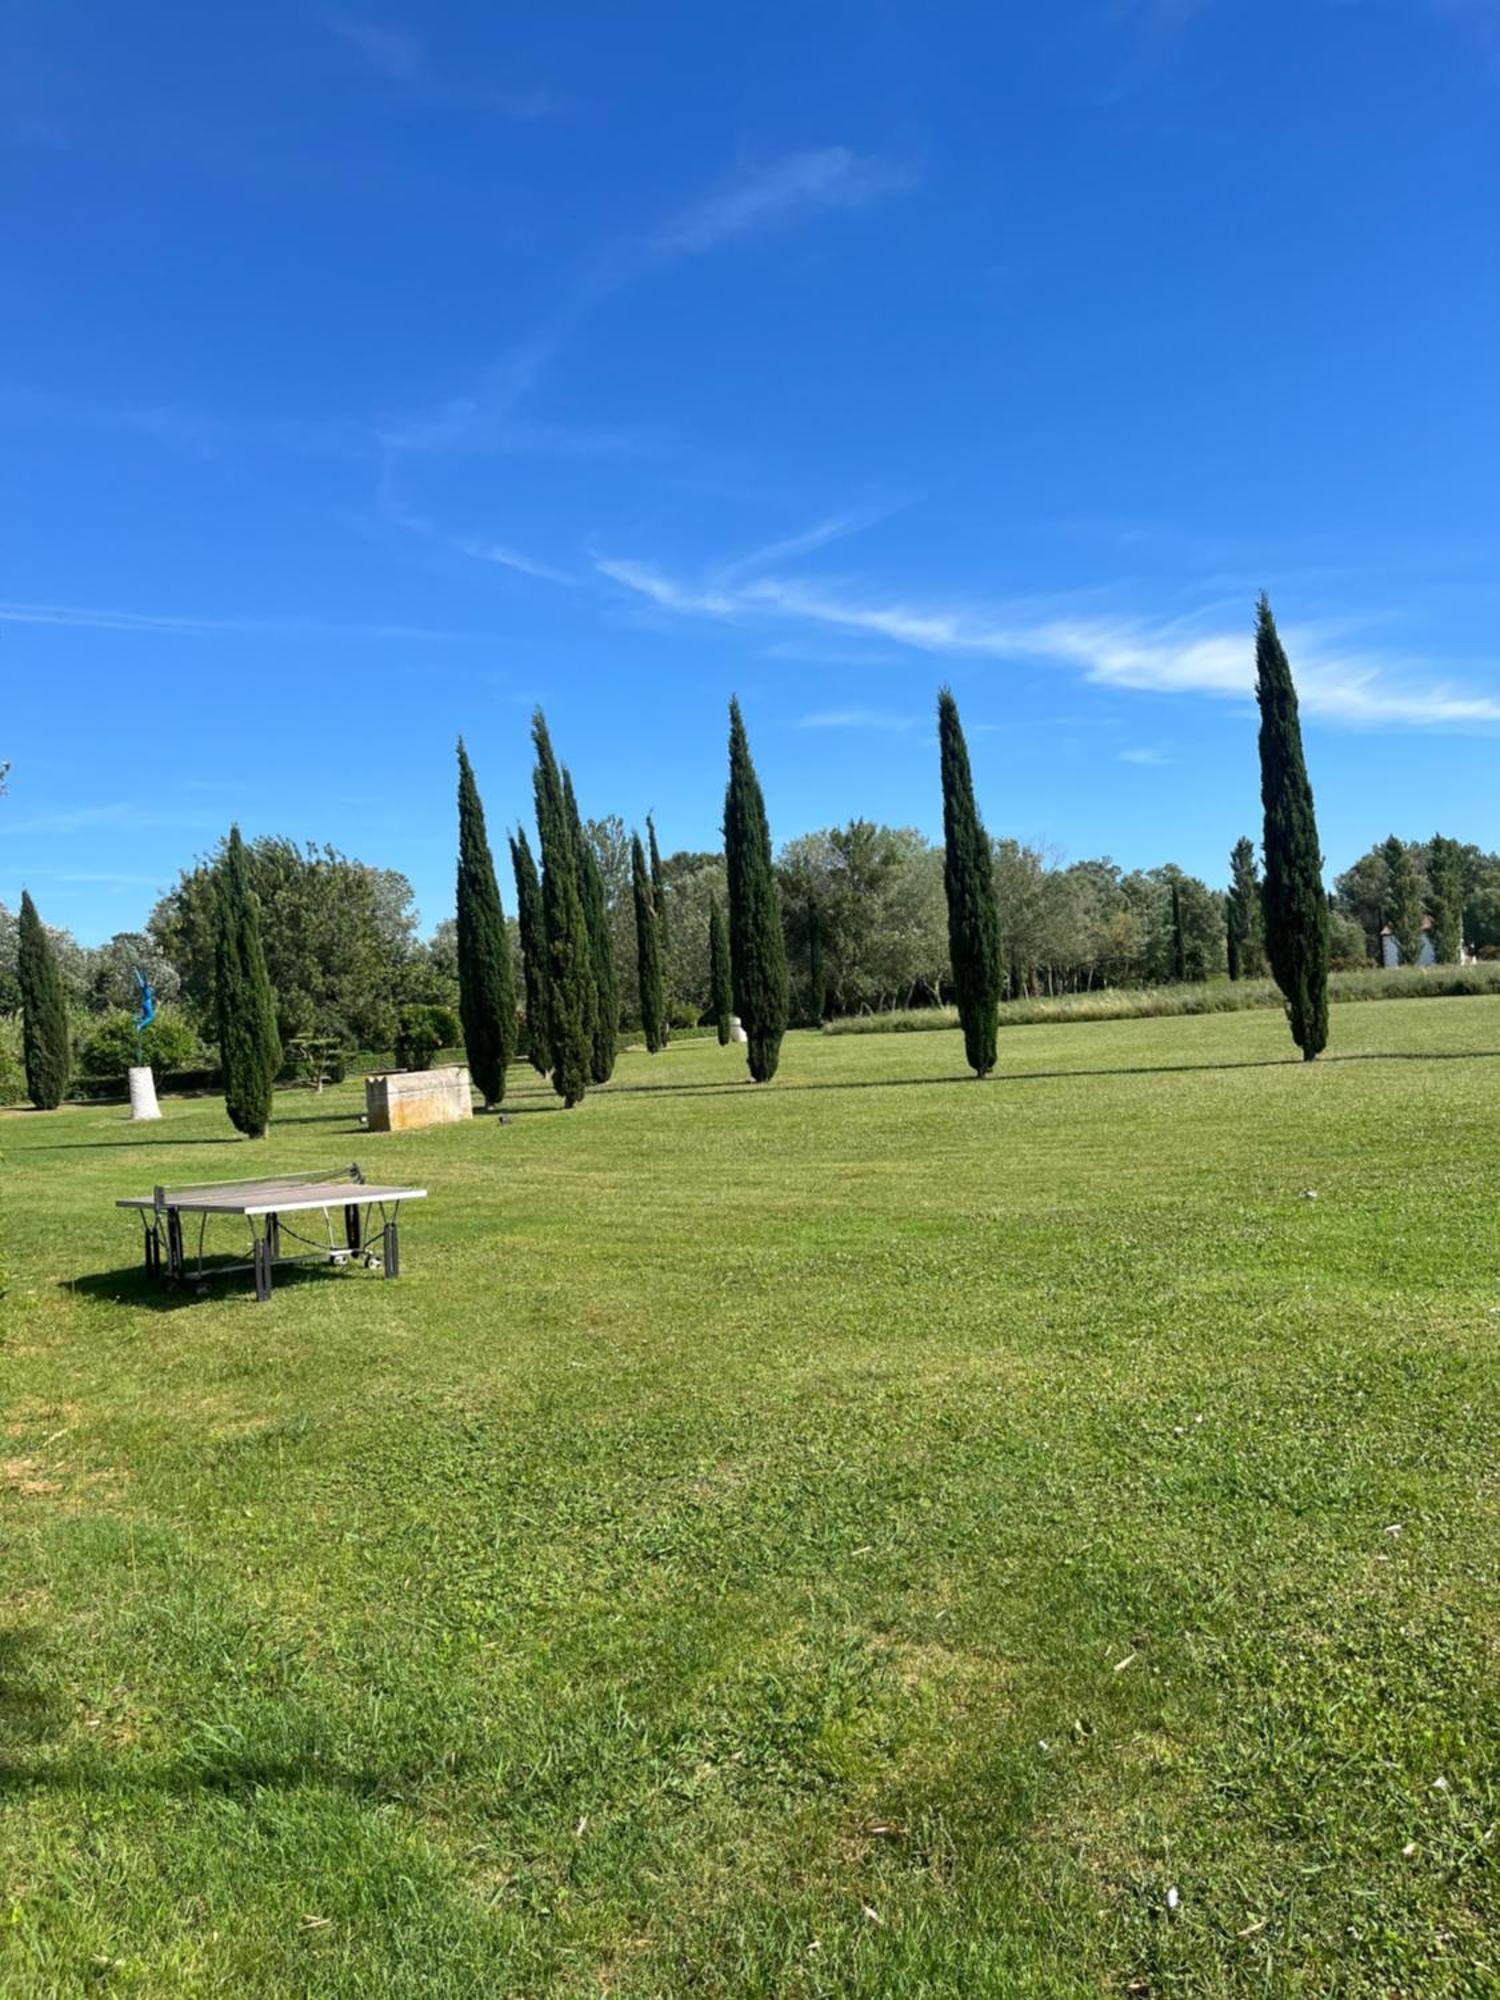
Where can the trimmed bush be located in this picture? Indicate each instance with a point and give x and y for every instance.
(421, 1031)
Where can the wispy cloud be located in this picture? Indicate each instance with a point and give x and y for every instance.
(1171, 656)
(1144, 755)
(835, 529)
(91, 619)
(859, 718)
(400, 56)
(394, 52)
(508, 558)
(122, 813)
(779, 192)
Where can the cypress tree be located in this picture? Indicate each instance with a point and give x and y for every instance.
(1403, 900)
(249, 1046)
(1179, 944)
(1293, 899)
(757, 942)
(648, 950)
(1242, 910)
(601, 944)
(969, 879)
(486, 972)
(44, 1012)
(720, 985)
(570, 966)
(817, 991)
(658, 885)
(533, 928)
(1445, 875)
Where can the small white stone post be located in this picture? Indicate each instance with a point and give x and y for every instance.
(143, 1102)
(736, 1029)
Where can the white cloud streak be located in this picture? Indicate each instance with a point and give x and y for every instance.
(89, 619)
(1162, 657)
(859, 718)
(780, 192)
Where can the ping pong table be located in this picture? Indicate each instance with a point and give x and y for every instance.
(368, 1232)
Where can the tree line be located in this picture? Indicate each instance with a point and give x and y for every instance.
(607, 934)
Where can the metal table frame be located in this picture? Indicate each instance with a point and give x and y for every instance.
(263, 1204)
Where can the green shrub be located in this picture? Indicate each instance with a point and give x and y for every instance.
(12, 1070)
(421, 1031)
(107, 1046)
(1107, 1003)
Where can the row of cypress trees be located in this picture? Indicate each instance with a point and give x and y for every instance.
(571, 993)
(1293, 902)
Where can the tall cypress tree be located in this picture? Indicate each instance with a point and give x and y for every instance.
(817, 991)
(533, 927)
(658, 883)
(1242, 910)
(1293, 898)
(757, 942)
(601, 942)
(720, 984)
(44, 1012)
(486, 973)
(1445, 876)
(648, 950)
(1179, 942)
(1403, 900)
(570, 964)
(249, 1046)
(969, 879)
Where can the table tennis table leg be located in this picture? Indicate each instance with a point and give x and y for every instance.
(390, 1251)
(351, 1225)
(262, 1261)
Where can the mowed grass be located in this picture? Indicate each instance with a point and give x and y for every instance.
(881, 1534)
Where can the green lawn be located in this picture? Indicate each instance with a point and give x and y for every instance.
(878, 1534)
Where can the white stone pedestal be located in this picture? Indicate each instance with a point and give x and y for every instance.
(736, 1029)
(143, 1102)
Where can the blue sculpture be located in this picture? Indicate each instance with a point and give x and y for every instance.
(145, 1015)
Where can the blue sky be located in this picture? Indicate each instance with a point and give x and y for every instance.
(369, 376)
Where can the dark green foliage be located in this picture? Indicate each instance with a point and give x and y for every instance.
(757, 943)
(968, 878)
(1293, 897)
(249, 1046)
(658, 885)
(720, 983)
(1445, 875)
(168, 1046)
(1179, 947)
(533, 926)
(44, 1012)
(1403, 900)
(648, 950)
(1242, 912)
(337, 936)
(486, 973)
(601, 942)
(571, 1005)
(817, 983)
(421, 1031)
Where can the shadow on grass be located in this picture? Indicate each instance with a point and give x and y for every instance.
(226, 1278)
(1002, 1075)
(30, 1712)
